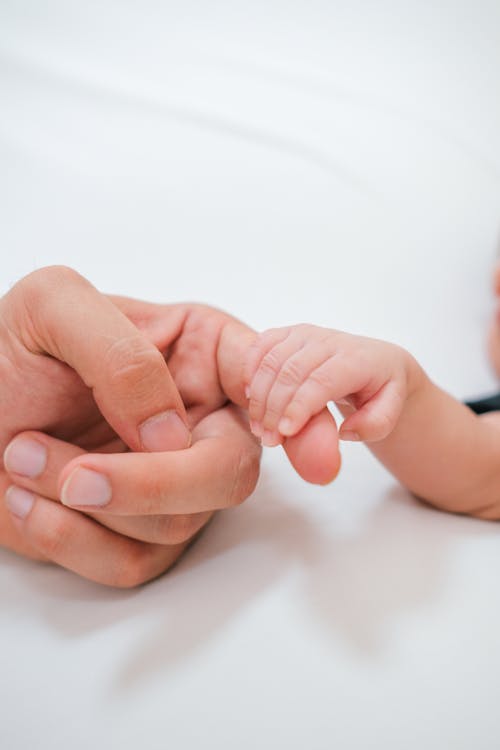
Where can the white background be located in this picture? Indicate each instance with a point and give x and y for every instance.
(330, 162)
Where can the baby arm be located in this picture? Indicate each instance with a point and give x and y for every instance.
(432, 443)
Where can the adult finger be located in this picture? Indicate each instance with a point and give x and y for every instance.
(10, 538)
(80, 544)
(56, 311)
(314, 451)
(34, 462)
(218, 471)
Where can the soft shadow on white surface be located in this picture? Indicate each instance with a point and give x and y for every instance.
(353, 589)
(352, 586)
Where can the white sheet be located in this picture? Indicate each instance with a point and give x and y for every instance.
(333, 162)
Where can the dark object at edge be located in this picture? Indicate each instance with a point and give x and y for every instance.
(492, 403)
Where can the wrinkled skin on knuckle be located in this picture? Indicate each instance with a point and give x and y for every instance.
(133, 363)
(271, 415)
(254, 406)
(291, 374)
(270, 363)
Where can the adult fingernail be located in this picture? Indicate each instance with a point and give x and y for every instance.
(85, 487)
(26, 457)
(19, 501)
(165, 432)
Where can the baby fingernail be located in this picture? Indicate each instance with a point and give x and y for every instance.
(256, 428)
(247, 391)
(19, 501)
(26, 457)
(269, 439)
(349, 435)
(285, 426)
(164, 432)
(85, 487)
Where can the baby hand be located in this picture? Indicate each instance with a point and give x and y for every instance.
(292, 373)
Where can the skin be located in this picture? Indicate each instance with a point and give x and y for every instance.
(191, 360)
(437, 447)
(81, 375)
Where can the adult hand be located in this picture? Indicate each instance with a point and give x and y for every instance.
(75, 367)
(205, 351)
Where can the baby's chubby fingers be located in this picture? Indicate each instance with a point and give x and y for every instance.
(291, 378)
(376, 419)
(264, 360)
(314, 451)
(278, 363)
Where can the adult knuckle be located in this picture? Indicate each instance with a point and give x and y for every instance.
(134, 570)
(53, 538)
(183, 528)
(170, 530)
(131, 360)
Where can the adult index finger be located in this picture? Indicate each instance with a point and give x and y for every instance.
(56, 311)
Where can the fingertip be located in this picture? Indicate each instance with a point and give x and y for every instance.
(19, 502)
(270, 439)
(350, 436)
(286, 427)
(25, 456)
(314, 451)
(256, 429)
